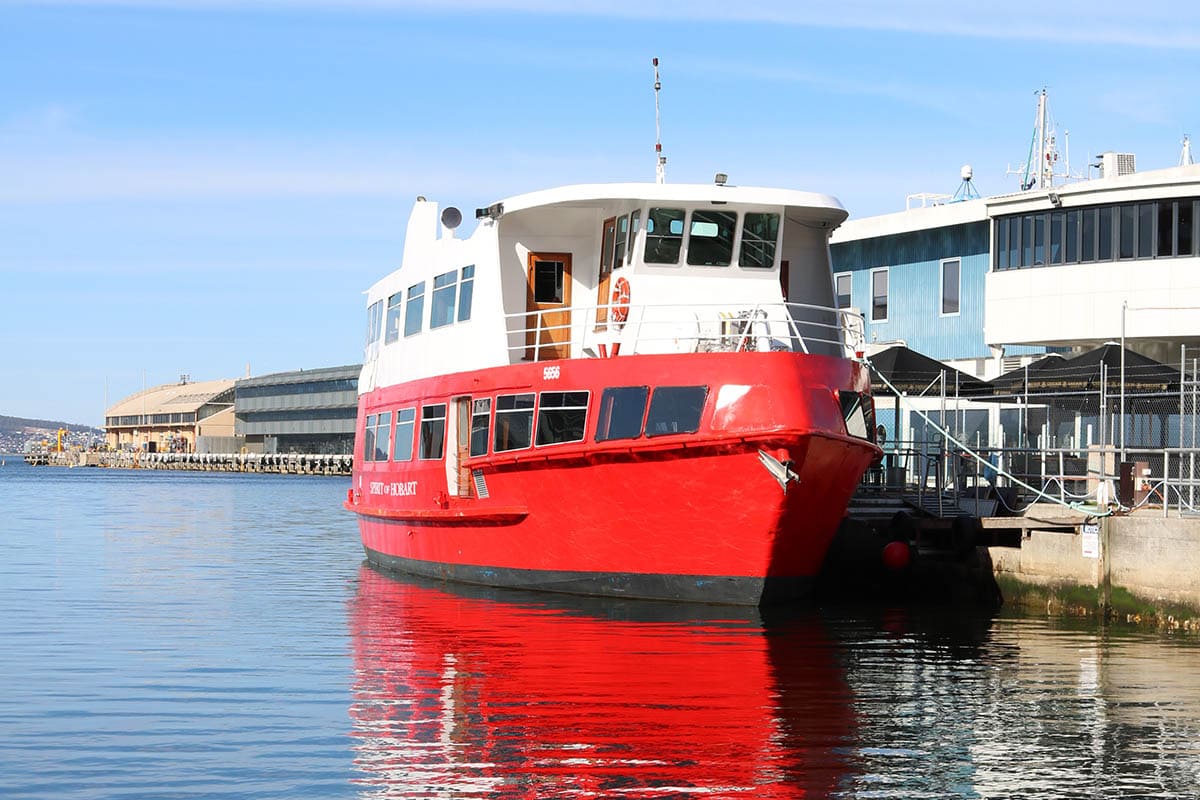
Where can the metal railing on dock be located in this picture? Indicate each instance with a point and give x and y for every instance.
(275, 463)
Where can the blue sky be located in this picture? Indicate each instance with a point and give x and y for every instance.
(194, 187)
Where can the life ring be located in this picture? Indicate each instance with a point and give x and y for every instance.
(619, 304)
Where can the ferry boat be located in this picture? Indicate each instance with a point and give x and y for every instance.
(636, 390)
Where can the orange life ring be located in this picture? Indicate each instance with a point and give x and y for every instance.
(619, 310)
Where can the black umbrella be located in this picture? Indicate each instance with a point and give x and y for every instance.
(1082, 374)
(913, 373)
(1014, 381)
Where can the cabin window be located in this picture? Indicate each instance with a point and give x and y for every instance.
(635, 221)
(442, 305)
(368, 451)
(855, 410)
(622, 409)
(514, 422)
(841, 285)
(383, 433)
(395, 310)
(433, 431)
(561, 417)
(622, 239)
(414, 310)
(481, 419)
(950, 286)
(374, 314)
(466, 291)
(675, 409)
(406, 419)
(664, 235)
(760, 232)
(879, 295)
(711, 241)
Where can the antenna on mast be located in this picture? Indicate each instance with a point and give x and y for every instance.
(1185, 156)
(660, 167)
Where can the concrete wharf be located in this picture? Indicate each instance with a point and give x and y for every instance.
(273, 463)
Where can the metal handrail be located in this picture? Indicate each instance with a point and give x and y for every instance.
(688, 327)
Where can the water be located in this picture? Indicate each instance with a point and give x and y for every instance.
(187, 635)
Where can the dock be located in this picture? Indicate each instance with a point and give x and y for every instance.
(268, 463)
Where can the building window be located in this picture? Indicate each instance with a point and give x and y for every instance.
(1128, 221)
(1072, 235)
(951, 269)
(481, 419)
(433, 431)
(710, 243)
(1000, 243)
(414, 310)
(395, 310)
(1145, 238)
(664, 235)
(675, 409)
(465, 292)
(760, 233)
(445, 292)
(561, 417)
(841, 287)
(621, 411)
(406, 419)
(879, 295)
(514, 422)
(1187, 214)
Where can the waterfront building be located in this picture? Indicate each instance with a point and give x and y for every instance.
(172, 418)
(305, 411)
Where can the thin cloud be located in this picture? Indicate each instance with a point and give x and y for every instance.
(1150, 25)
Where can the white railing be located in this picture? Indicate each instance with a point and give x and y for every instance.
(589, 331)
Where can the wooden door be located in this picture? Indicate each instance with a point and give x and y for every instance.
(608, 238)
(548, 324)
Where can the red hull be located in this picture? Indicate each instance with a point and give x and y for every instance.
(688, 516)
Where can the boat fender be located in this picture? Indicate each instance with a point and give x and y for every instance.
(620, 301)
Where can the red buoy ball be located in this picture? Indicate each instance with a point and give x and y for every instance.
(896, 556)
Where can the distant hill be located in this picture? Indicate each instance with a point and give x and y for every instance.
(18, 433)
(23, 425)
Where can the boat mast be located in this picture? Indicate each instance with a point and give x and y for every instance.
(660, 168)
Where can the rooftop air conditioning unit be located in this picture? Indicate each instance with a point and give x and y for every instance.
(1114, 164)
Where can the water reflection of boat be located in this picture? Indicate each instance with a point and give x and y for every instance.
(487, 693)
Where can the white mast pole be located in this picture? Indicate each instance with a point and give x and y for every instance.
(660, 168)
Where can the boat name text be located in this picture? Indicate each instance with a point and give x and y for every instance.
(394, 489)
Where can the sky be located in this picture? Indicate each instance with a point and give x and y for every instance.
(206, 187)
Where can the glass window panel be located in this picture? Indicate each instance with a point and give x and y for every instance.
(1104, 234)
(406, 419)
(760, 233)
(1039, 240)
(383, 434)
(1184, 235)
(395, 310)
(842, 285)
(1087, 249)
(1014, 243)
(562, 417)
(1128, 218)
(711, 241)
(466, 290)
(879, 296)
(664, 235)
(433, 431)
(368, 452)
(481, 419)
(514, 422)
(1072, 236)
(635, 220)
(1057, 219)
(442, 307)
(675, 409)
(621, 412)
(414, 311)
(1001, 237)
(374, 316)
(622, 237)
(1027, 241)
(1145, 236)
(548, 281)
(950, 291)
(1166, 228)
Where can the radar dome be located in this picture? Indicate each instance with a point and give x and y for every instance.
(966, 172)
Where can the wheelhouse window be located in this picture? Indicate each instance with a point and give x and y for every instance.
(395, 310)
(859, 414)
(664, 235)
(760, 235)
(442, 305)
(879, 295)
(842, 283)
(433, 431)
(622, 409)
(675, 409)
(950, 286)
(466, 292)
(622, 239)
(406, 419)
(481, 420)
(414, 310)
(710, 240)
(635, 220)
(561, 417)
(374, 317)
(514, 422)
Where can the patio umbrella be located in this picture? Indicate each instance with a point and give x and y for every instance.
(913, 372)
(1082, 374)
